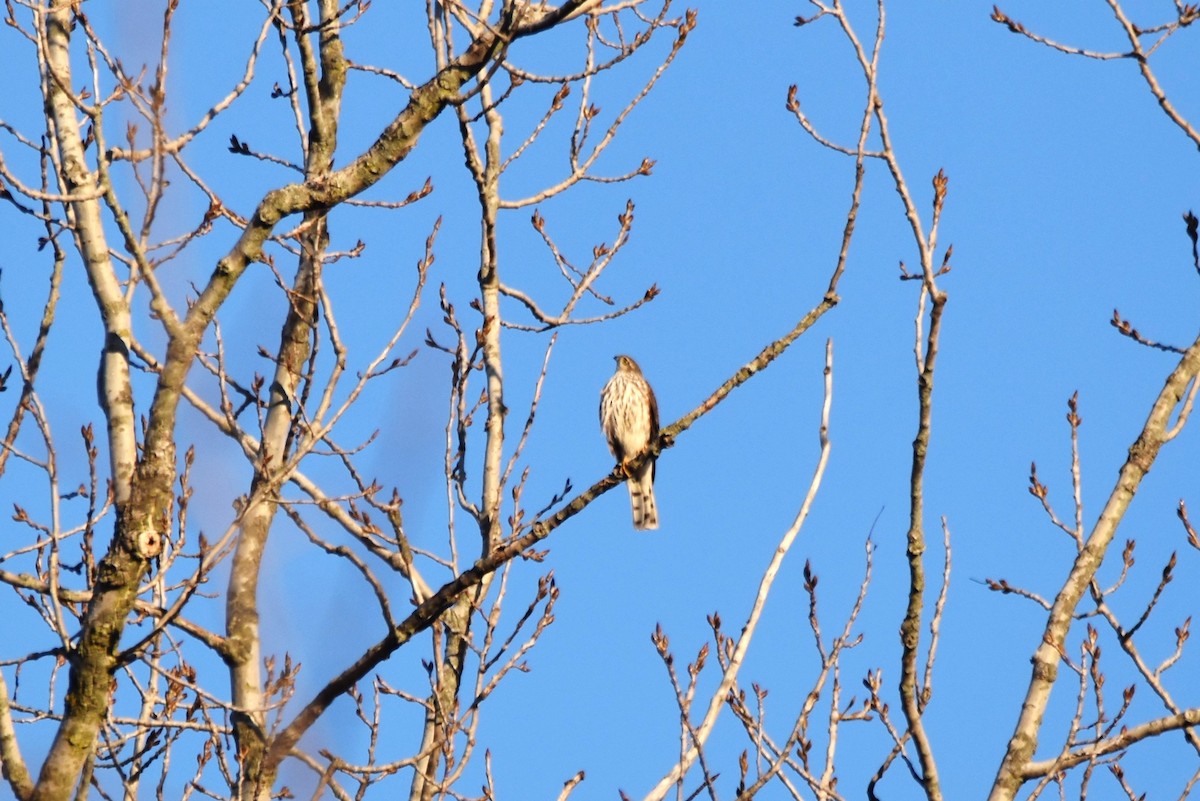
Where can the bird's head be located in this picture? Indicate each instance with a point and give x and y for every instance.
(626, 364)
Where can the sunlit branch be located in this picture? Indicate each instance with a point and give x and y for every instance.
(729, 675)
(1142, 455)
(1112, 745)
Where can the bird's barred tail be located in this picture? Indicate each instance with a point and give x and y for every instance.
(641, 498)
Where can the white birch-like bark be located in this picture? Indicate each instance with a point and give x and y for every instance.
(115, 392)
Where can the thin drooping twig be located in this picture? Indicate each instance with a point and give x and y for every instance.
(1142, 56)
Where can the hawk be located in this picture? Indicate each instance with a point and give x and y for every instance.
(629, 420)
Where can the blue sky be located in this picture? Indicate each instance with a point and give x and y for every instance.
(1067, 186)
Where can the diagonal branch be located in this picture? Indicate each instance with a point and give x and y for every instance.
(729, 677)
(1142, 454)
(1123, 740)
(438, 602)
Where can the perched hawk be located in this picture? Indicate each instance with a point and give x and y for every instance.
(629, 420)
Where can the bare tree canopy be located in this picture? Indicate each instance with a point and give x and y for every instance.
(307, 308)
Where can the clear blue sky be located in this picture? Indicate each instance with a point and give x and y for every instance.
(1067, 186)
